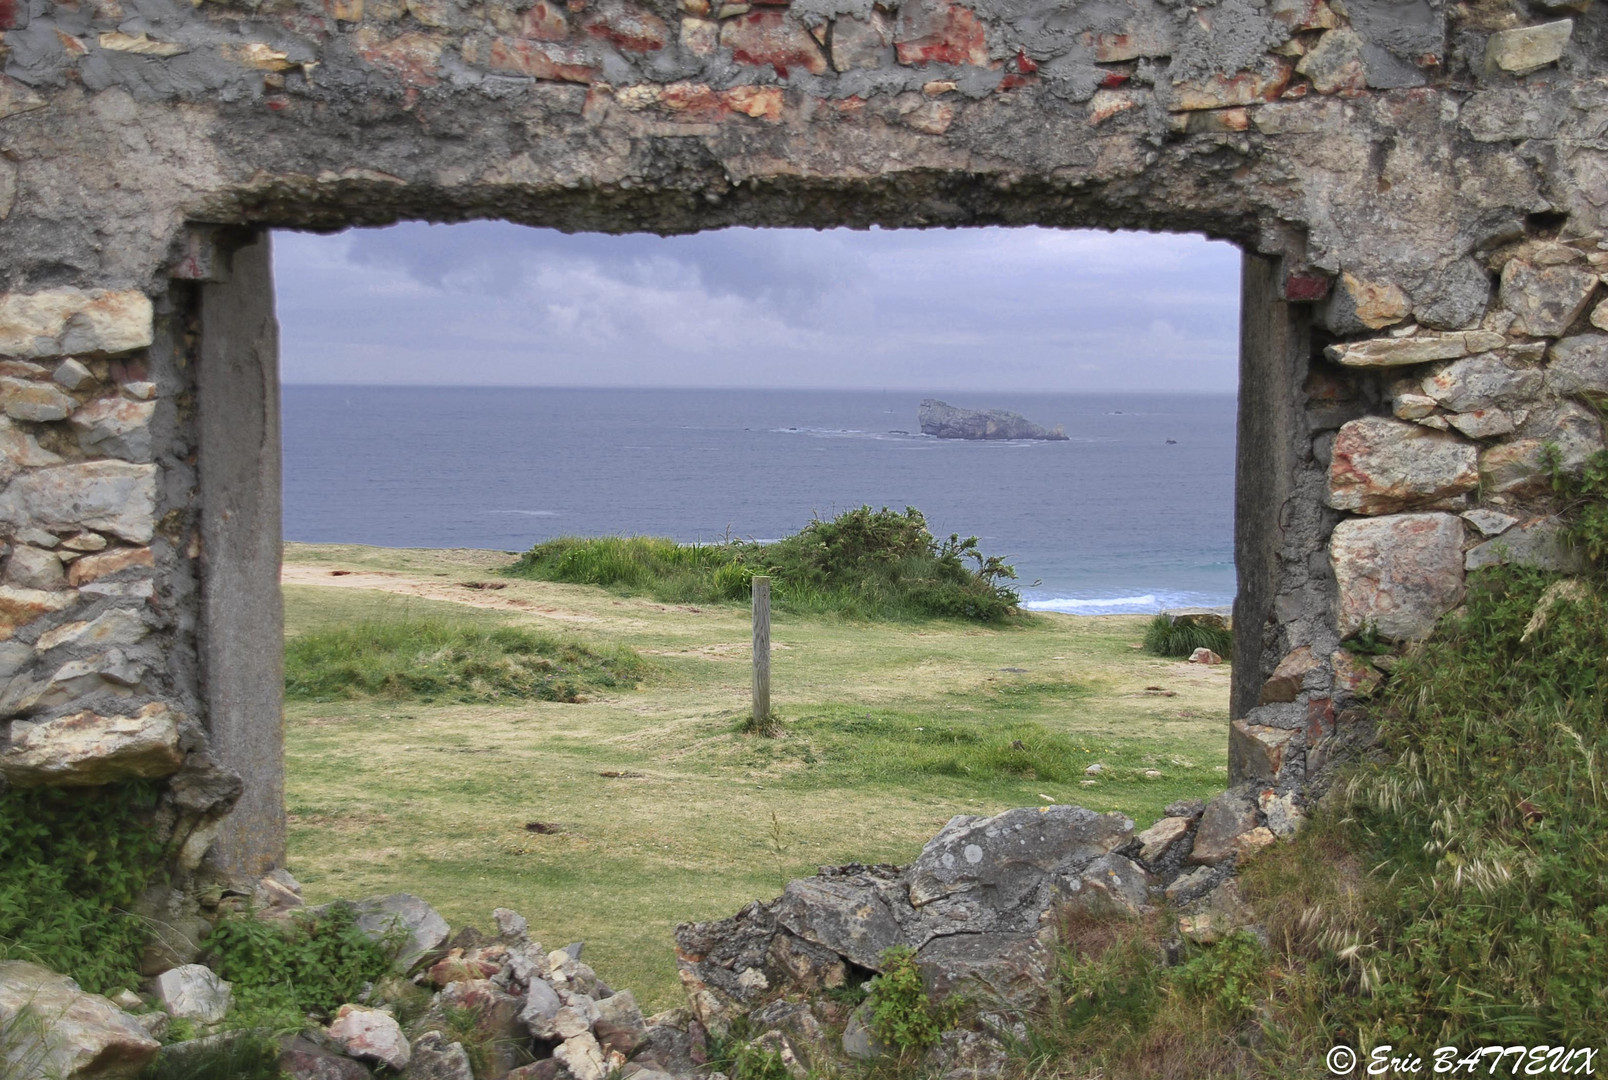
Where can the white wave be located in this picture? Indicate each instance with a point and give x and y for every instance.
(527, 513)
(1111, 605)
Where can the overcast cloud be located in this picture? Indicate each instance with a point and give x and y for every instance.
(1007, 309)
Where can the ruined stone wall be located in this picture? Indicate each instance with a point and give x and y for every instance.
(1422, 186)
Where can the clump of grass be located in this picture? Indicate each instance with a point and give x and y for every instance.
(452, 660)
(864, 563)
(72, 863)
(319, 963)
(1178, 638)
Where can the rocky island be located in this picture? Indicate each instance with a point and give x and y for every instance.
(947, 422)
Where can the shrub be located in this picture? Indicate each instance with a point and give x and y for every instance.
(864, 563)
(72, 863)
(318, 963)
(1178, 638)
(458, 661)
(903, 1017)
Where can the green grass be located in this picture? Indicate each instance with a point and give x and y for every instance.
(450, 659)
(869, 564)
(1167, 636)
(660, 810)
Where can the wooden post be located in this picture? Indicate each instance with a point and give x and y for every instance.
(761, 587)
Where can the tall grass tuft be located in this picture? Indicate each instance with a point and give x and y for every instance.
(433, 658)
(864, 563)
(1178, 638)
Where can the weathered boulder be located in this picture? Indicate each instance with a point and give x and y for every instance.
(423, 929)
(87, 750)
(1110, 885)
(54, 1029)
(1398, 574)
(194, 992)
(851, 920)
(1538, 542)
(303, 1060)
(1010, 967)
(1227, 816)
(1007, 856)
(540, 1009)
(435, 1058)
(945, 421)
(370, 1034)
(1217, 915)
(1545, 299)
(583, 1057)
(1380, 465)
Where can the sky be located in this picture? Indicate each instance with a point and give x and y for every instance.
(493, 304)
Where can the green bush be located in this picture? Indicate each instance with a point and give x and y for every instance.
(455, 661)
(903, 1018)
(318, 963)
(235, 1055)
(72, 863)
(1178, 638)
(864, 563)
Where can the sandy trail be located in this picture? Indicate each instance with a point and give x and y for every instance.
(453, 592)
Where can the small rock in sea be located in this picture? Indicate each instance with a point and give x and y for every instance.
(1204, 656)
(1172, 442)
(1094, 770)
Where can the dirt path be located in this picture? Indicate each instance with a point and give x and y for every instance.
(492, 595)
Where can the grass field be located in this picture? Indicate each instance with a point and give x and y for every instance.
(613, 819)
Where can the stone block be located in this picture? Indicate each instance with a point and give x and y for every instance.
(939, 32)
(19, 607)
(94, 567)
(861, 43)
(371, 1035)
(37, 402)
(1156, 841)
(1228, 815)
(116, 427)
(34, 568)
(1578, 365)
(771, 38)
(423, 928)
(1398, 574)
(1287, 678)
(1538, 542)
(57, 322)
(1528, 48)
(628, 28)
(1546, 300)
(115, 497)
(1284, 818)
(1420, 348)
(86, 1035)
(1256, 751)
(1218, 91)
(851, 920)
(1379, 466)
(1484, 382)
(1487, 423)
(538, 60)
(1489, 522)
(87, 749)
(20, 450)
(1335, 66)
(194, 992)
(1110, 885)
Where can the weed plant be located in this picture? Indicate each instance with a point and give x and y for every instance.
(443, 659)
(902, 1016)
(1177, 639)
(864, 563)
(314, 965)
(232, 1055)
(72, 863)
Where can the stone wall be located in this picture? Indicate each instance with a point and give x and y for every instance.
(1421, 189)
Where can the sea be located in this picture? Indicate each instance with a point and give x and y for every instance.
(1133, 514)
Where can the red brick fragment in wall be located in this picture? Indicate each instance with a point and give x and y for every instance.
(539, 61)
(13, 14)
(1024, 63)
(414, 58)
(629, 28)
(938, 32)
(544, 21)
(1303, 288)
(770, 37)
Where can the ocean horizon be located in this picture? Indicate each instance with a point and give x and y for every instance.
(1132, 514)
